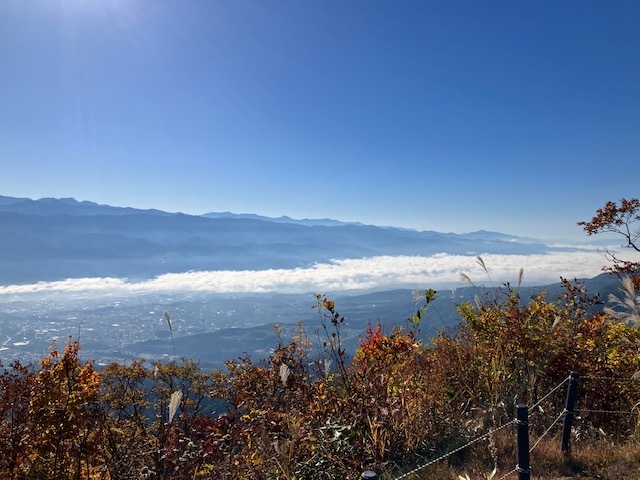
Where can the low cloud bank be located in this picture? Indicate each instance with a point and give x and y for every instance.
(340, 275)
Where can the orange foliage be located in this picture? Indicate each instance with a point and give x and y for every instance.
(63, 439)
(622, 220)
(290, 416)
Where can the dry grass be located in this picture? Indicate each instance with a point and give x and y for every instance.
(590, 460)
(609, 462)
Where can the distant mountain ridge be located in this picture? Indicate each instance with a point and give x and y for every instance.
(68, 206)
(54, 239)
(71, 206)
(326, 222)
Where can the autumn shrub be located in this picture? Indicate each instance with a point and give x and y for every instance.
(508, 351)
(607, 354)
(278, 412)
(399, 393)
(63, 411)
(16, 384)
(127, 418)
(141, 440)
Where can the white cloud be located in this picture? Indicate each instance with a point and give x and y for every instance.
(340, 275)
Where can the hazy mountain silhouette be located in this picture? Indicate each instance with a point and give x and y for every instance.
(69, 206)
(327, 222)
(52, 239)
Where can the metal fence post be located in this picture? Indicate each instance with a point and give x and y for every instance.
(572, 395)
(522, 416)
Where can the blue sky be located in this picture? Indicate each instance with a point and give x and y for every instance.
(516, 116)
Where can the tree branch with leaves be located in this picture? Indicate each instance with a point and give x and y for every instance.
(623, 219)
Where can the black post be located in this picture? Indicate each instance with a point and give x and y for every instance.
(369, 475)
(524, 469)
(572, 395)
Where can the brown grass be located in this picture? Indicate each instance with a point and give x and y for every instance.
(590, 460)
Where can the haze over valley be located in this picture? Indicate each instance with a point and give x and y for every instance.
(107, 274)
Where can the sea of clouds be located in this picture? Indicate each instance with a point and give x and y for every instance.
(381, 272)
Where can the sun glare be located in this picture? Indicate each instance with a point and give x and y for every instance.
(121, 12)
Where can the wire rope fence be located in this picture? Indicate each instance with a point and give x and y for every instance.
(567, 416)
(454, 451)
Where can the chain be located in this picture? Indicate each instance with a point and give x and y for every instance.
(610, 379)
(612, 412)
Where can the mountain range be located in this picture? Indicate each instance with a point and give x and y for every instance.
(52, 239)
(327, 222)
